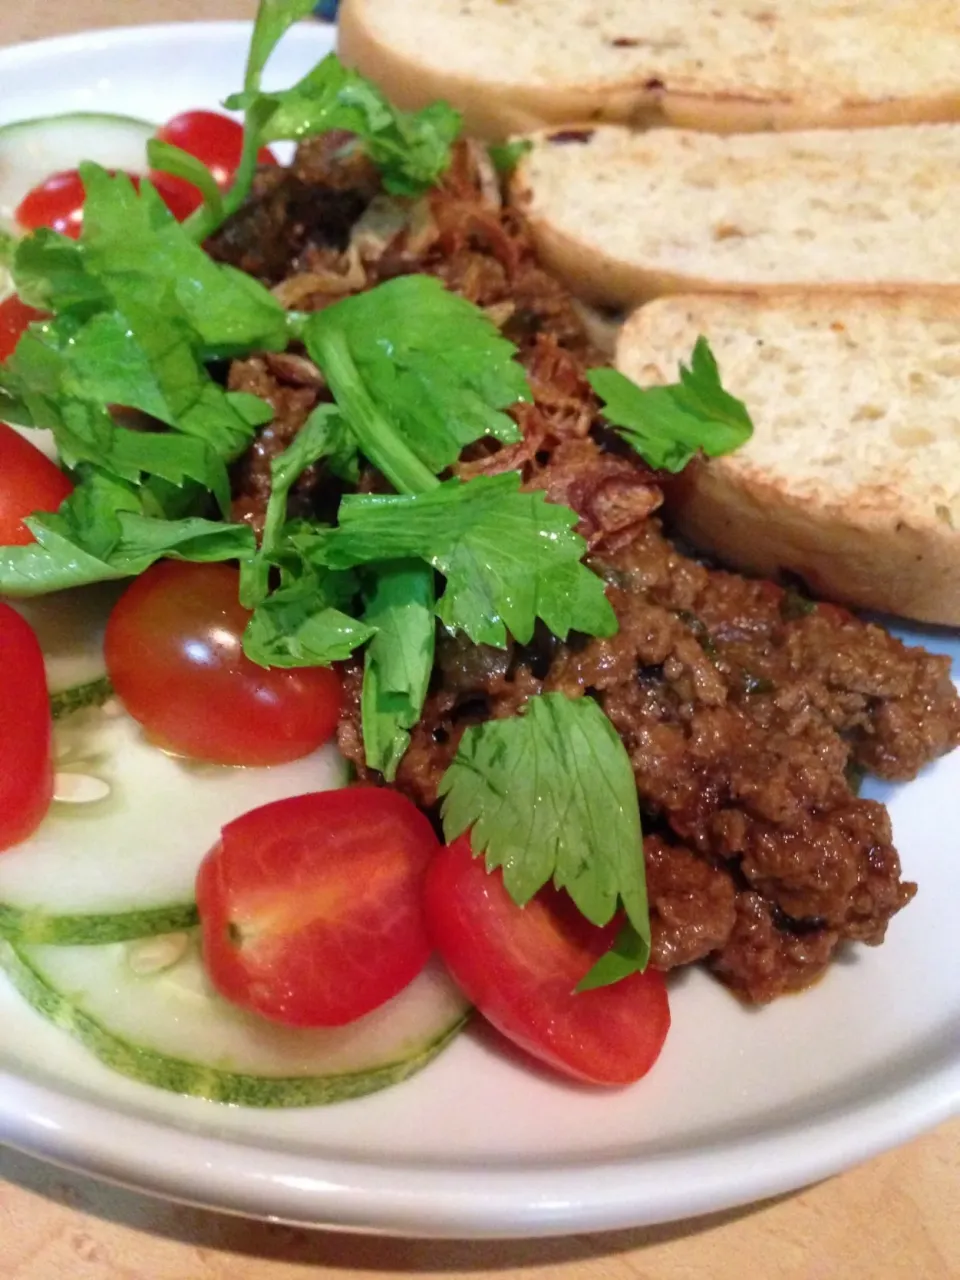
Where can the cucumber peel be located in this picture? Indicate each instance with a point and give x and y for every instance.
(94, 996)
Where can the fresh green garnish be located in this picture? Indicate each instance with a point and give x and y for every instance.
(549, 795)
(419, 373)
(508, 557)
(668, 425)
(398, 664)
(507, 155)
(411, 149)
(167, 158)
(100, 533)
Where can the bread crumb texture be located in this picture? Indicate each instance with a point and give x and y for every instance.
(817, 207)
(851, 50)
(855, 403)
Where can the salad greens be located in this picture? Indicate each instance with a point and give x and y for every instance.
(141, 318)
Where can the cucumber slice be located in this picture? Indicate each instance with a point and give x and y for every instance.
(32, 150)
(172, 1031)
(70, 627)
(124, 866)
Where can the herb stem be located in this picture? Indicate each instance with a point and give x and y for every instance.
(375, 437)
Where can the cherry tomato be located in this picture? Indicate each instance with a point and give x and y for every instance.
(173, 652)
(58, 202)
(215, 139)
(26, 768)
(29, 482)
(520, 966)
(312, 907)
(14, 318)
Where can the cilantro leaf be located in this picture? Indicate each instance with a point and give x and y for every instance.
(668, 425)
(509, 557)
(301, 624)
(274, 18)
(411, 149)
(176, 162)
(50, 273)
(418, 373)
(398, 660)
(100, 534)
(507, 155)
(549, 795)
(323, 435)
(136, 250)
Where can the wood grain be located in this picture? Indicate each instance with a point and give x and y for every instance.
(896, 1218)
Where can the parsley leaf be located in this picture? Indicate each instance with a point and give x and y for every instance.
(668, 425)
(550, 795)
(419, 373)
(398, 660)
(508, 557)
(411, 149)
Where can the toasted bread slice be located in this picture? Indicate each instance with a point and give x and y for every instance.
(732, 66)
(852, 477)
(623, 217)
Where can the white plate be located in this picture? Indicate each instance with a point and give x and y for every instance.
(743, 1104)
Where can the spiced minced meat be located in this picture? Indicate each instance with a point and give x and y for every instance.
(748, 712)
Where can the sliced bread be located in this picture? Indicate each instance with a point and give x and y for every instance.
(851, 480)
(623, 217)
(733, 65)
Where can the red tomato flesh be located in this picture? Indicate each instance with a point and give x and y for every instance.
(15, 316)
(215, 139)
(29, 482)
(173, 649)
(26, 768)
(312, 907)
(520, 967)
(58, 202)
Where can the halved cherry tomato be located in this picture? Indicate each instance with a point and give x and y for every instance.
(173, 649)
(29, 482)
(520, 966)
(58, 202)
(26, 768)
(215, 139)
(312, 907)
(14, 318)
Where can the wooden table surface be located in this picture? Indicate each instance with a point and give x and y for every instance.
(896, 1218)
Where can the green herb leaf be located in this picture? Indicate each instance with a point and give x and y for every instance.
(301, 624)
(274, 19)
(668, 425)
(417, 370)
(508, 557)
(411, 149)
(549, 795)
(398, 660)
(507, 155)
(99, 535)
(323, 435)
(133, 246)
(181, 164)
(50, 273)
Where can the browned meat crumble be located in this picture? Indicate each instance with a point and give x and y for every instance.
(744, 710)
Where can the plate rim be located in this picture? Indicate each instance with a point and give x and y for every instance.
(398, 1197)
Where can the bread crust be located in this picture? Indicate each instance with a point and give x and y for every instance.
(861, 555)
(868, 546)
(494, 110)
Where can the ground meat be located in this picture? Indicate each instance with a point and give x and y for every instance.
(744, 708)
(764, 957)
(692, 912)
